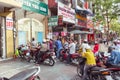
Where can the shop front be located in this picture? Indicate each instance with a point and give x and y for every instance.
(6, 28)
(66, 18)
(19, 23)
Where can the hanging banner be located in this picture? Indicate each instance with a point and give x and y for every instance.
(35, 6)
(9, 23)
(67, 13)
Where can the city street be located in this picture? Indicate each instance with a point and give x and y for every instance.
(60, 71)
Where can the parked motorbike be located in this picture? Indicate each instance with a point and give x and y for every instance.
(26, 53)
(94, 73)
(64, 55)
(28, 74)
(47, 57)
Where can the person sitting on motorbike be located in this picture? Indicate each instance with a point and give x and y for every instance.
(96, 48)
(43, 50)
(72, 48)
(66, 45)
(114, 58)
(84, 45)
(90, 61)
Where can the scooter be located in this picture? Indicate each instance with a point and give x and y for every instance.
(28, 74)
(47, 57)
(114, 68)
(64, 55)
(94, 73)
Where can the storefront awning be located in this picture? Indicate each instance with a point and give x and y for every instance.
(80, 32)
(84, 11)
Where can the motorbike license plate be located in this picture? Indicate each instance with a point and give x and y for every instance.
(108, 77)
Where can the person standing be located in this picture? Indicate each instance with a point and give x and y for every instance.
(72, 49)
(59, 47)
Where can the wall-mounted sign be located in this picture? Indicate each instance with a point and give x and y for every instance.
(81, 17)
(60, 20)
(67, 13)
(82, 23)
(9, 23)
(35, 6)
(53, 21)
(90, 24)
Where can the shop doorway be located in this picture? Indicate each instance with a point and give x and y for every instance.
(21, 38)
(40, 37)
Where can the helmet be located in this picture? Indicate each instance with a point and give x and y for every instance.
(44, 40)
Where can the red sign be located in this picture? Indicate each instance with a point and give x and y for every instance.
(60, 20)
(90, 24)
(82, 23)
(9, 23)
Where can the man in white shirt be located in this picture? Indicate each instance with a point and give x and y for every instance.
(72, 47)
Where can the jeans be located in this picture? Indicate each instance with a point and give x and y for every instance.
(69, 58)
(58, 53)
(85, 72)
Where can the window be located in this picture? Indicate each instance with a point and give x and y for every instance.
(80, 3)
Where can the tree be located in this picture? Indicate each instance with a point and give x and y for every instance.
(115, 26)
(105, 11)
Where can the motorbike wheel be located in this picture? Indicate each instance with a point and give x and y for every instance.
(51, 61)
(79, 72)
(61, 59)
(37, 78)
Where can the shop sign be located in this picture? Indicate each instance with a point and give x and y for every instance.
(82, 23)
(68, 13)
(35, 6)
(53, 21)
(81, 17)
(60, 20)
(90, 24)
(9, 23)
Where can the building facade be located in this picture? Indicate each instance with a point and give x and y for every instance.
(18, 25)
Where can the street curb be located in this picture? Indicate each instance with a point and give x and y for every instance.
(4, 60)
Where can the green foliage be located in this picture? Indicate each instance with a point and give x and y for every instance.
(115, 26)
(105, 9)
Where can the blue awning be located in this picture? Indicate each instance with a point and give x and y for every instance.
(84, 11)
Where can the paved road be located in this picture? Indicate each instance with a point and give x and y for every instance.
(60, 71)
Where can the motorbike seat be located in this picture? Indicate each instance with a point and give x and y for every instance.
(96, 68)
(24, 74)
(115, 66)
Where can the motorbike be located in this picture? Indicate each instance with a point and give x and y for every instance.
(28, 74)
(47, 57)
(115, 69)
(26, 53)
(94, 73)
(64, 55)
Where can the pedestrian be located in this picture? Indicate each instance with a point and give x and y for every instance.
(72, 49)
(59, 47)
(104, 40)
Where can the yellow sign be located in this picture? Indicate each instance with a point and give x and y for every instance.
(81, 17)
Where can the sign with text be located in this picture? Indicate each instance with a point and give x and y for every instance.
(82, 23)
(53, 21)
(35, 6)
(67, 13)
(9, 23)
